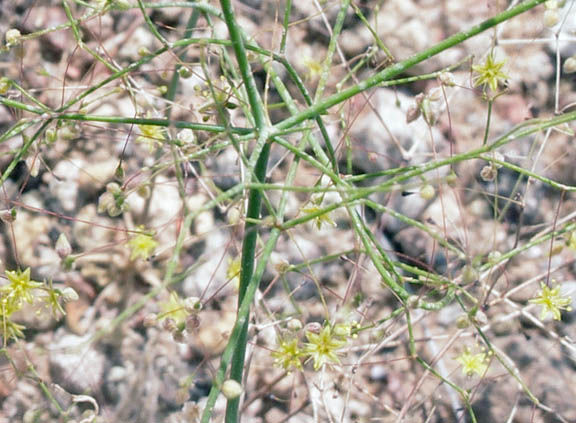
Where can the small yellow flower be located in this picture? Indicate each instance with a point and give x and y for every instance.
(233, 271)
(288, 354)
(320, 219)
(174, 308)
(551, 301)
(490, 73)
(323, 347)
(142, 245)
(152, 135)
(20, 287)
(314, 68)
(473, 363)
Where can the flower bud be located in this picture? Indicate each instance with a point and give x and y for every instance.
(569, 65)
(551, 17)
(192, 304)
(413, 301)
(63, 247)
(8, 215)
(5, 84)
(69, 294)
(13, 37)
(233, 216)
(186, 135)
(231, 389)
(184, 72)
(294, 325)
(427, 192)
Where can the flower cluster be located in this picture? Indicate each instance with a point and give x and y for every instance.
(21, 289)
(177, 315)
(324, 346)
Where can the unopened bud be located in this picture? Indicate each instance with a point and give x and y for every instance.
(551, 17)
(427, 192)
(184, 72)
(8, 216)
(186, 135)
(192, 304)
(294, 325)
(63, 247)
(569, 65)
(233, 216)
(13, 37)
(69, 294)
(231, 389)
(5, 84)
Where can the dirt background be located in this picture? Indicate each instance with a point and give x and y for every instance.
(139, 374)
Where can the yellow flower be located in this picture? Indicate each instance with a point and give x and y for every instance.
(320, 219)
(551, 301)
(288, 354)
(142, 245)
(174, 308)
(153, 135)
(20, 287)
(490, 73)
(473, 363)
(323, 347)
(233, 271)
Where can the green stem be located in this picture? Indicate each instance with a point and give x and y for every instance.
(401, 67)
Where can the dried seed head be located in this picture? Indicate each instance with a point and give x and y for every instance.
(447, 79)
(150, 320)
(413, 113)
(313, 327)
(170, 325)
(192, 323)
(488, 173)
